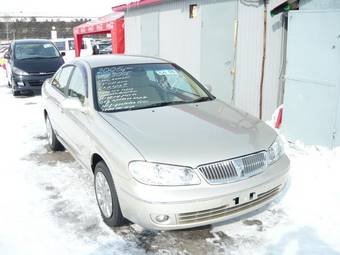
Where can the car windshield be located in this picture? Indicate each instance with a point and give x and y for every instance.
(35, 50)
(140, 86)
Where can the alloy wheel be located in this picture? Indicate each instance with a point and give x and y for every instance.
(103, 194)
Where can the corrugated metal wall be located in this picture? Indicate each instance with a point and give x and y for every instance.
(249, 58)
(274, 66)
(180, 39)
(203, 45)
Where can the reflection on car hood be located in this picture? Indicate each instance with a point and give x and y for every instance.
(192, 134)
(39, 65)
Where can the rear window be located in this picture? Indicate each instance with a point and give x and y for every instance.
(35, 50)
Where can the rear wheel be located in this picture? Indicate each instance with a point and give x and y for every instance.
(106, 196)
(53, 141)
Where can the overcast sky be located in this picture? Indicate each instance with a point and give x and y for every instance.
(60, 7)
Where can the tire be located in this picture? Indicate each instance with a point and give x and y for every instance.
(16, 93)
(112, 217)
(53, 141)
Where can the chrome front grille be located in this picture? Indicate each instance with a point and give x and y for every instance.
(35, 83)
(234, 169)
(253, 163)
(217, 172)
(225, 210)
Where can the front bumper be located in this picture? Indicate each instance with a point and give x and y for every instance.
(204, 204)
(29, 83)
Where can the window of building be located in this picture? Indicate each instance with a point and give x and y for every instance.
(193, 11)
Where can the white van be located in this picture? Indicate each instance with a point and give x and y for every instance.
(67, 45)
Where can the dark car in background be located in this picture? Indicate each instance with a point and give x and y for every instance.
(30, 63)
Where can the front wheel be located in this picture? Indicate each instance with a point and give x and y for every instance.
(53, 141)
(106, 196)
(15, 93)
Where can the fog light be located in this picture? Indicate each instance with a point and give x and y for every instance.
(162, 218)
(20, 83)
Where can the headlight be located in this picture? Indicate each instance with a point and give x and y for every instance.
(163, 175)
(18, 71)
(275, 151)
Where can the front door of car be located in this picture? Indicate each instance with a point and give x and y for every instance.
(77, 121)
(58, 93)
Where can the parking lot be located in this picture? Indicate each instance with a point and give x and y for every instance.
(48, 204)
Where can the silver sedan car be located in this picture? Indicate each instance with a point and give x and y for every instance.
(165, 153)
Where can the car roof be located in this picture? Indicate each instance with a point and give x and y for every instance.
(110, 60)
(22, 41)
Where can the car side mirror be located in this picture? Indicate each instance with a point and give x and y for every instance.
(73, 104)
(63, 53)
(7, 56)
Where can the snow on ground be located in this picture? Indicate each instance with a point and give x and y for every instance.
(47, 203)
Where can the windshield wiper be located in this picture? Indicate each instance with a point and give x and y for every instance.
(160, 104)
(201, 99)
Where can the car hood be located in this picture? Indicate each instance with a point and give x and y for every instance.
(39, 65)
(192, 134)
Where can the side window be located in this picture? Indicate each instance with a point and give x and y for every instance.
(77, 85)
(71, 44)
(61, 79)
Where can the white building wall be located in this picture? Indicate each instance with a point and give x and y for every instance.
(132, 35)
(180, 40)
(319, 4)
(150, 34)
(217, 47)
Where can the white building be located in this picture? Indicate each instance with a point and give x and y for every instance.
(221, 42)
